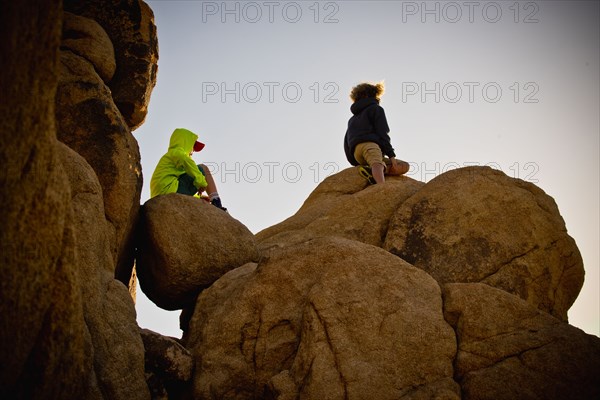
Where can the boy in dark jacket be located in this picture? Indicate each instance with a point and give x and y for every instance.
(367, 140)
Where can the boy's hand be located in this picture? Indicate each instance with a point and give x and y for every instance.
(393, 170)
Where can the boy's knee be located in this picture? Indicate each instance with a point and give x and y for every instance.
(403, 167)
(204, 169)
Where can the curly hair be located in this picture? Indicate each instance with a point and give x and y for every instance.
(367, 90)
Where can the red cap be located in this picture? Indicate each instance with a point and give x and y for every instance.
(198, 146)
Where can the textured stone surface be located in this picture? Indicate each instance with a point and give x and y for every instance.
(342, 205)
(478, 225)
(165, 356)
(329, 318)
(118, 352)
(185, 244)
(89, 122)
(84, 37)
(130, 26)
(42, 334)
(511, 350)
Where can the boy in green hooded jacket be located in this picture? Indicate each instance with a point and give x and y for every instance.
(176, 171)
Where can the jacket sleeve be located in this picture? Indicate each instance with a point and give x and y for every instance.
(347, 150)
(189, 166)
(382, 130)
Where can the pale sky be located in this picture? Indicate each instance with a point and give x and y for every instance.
(265, 84)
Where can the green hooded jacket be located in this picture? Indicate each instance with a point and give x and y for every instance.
(176, 162)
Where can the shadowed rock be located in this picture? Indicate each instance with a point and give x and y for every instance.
(169, 365)
(109, 312)
(130, 26)
(185, 244)
(43, 350)
(89, 123)
(84, 37)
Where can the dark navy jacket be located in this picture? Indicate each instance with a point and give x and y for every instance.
(368, 124)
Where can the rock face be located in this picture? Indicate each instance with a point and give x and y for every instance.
(458, 288)
(67, 327)
(130, 26)
(169, 365)
(185, 244)
(328, 314)
(166, 356)
(90, 123)
(42, 331)
(508, 349)
(478, 225)
(329, 318)
(341, 206)
(109, 312)
(86, 38)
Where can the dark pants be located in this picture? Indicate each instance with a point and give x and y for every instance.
(186, 183)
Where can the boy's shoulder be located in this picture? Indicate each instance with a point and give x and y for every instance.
(375, 108)
(177, 152)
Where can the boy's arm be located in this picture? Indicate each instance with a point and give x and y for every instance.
(190, 167)
(382, 129)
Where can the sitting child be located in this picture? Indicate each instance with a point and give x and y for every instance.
(176, 171)
(367, 140)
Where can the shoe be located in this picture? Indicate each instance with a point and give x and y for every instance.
(365, 172)
(217, 203)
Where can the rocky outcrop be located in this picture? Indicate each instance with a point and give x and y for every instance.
(90, 123)
(322, 310)
(508, 349)
(478, 225)
(130, 26)
(42, 330)
(86, 38)
(341, 206)
(184, 245)
(117, 347)
(169, 365)
(445, 228)
(326, 314)
(67, 327)
(329, 318)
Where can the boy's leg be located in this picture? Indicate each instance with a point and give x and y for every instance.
(378, 172)
(211, 187)
(186, 185)
(210, 182)
(370, 153)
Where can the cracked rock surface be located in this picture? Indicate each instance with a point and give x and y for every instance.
(508, 349)
(343, 206)
(329, 318)
(328, 313)
(175, 264)
(476, 224)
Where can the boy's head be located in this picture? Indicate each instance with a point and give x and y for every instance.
(367, 90)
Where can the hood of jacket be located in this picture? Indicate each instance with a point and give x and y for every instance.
(183, 139)
(358, 106)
